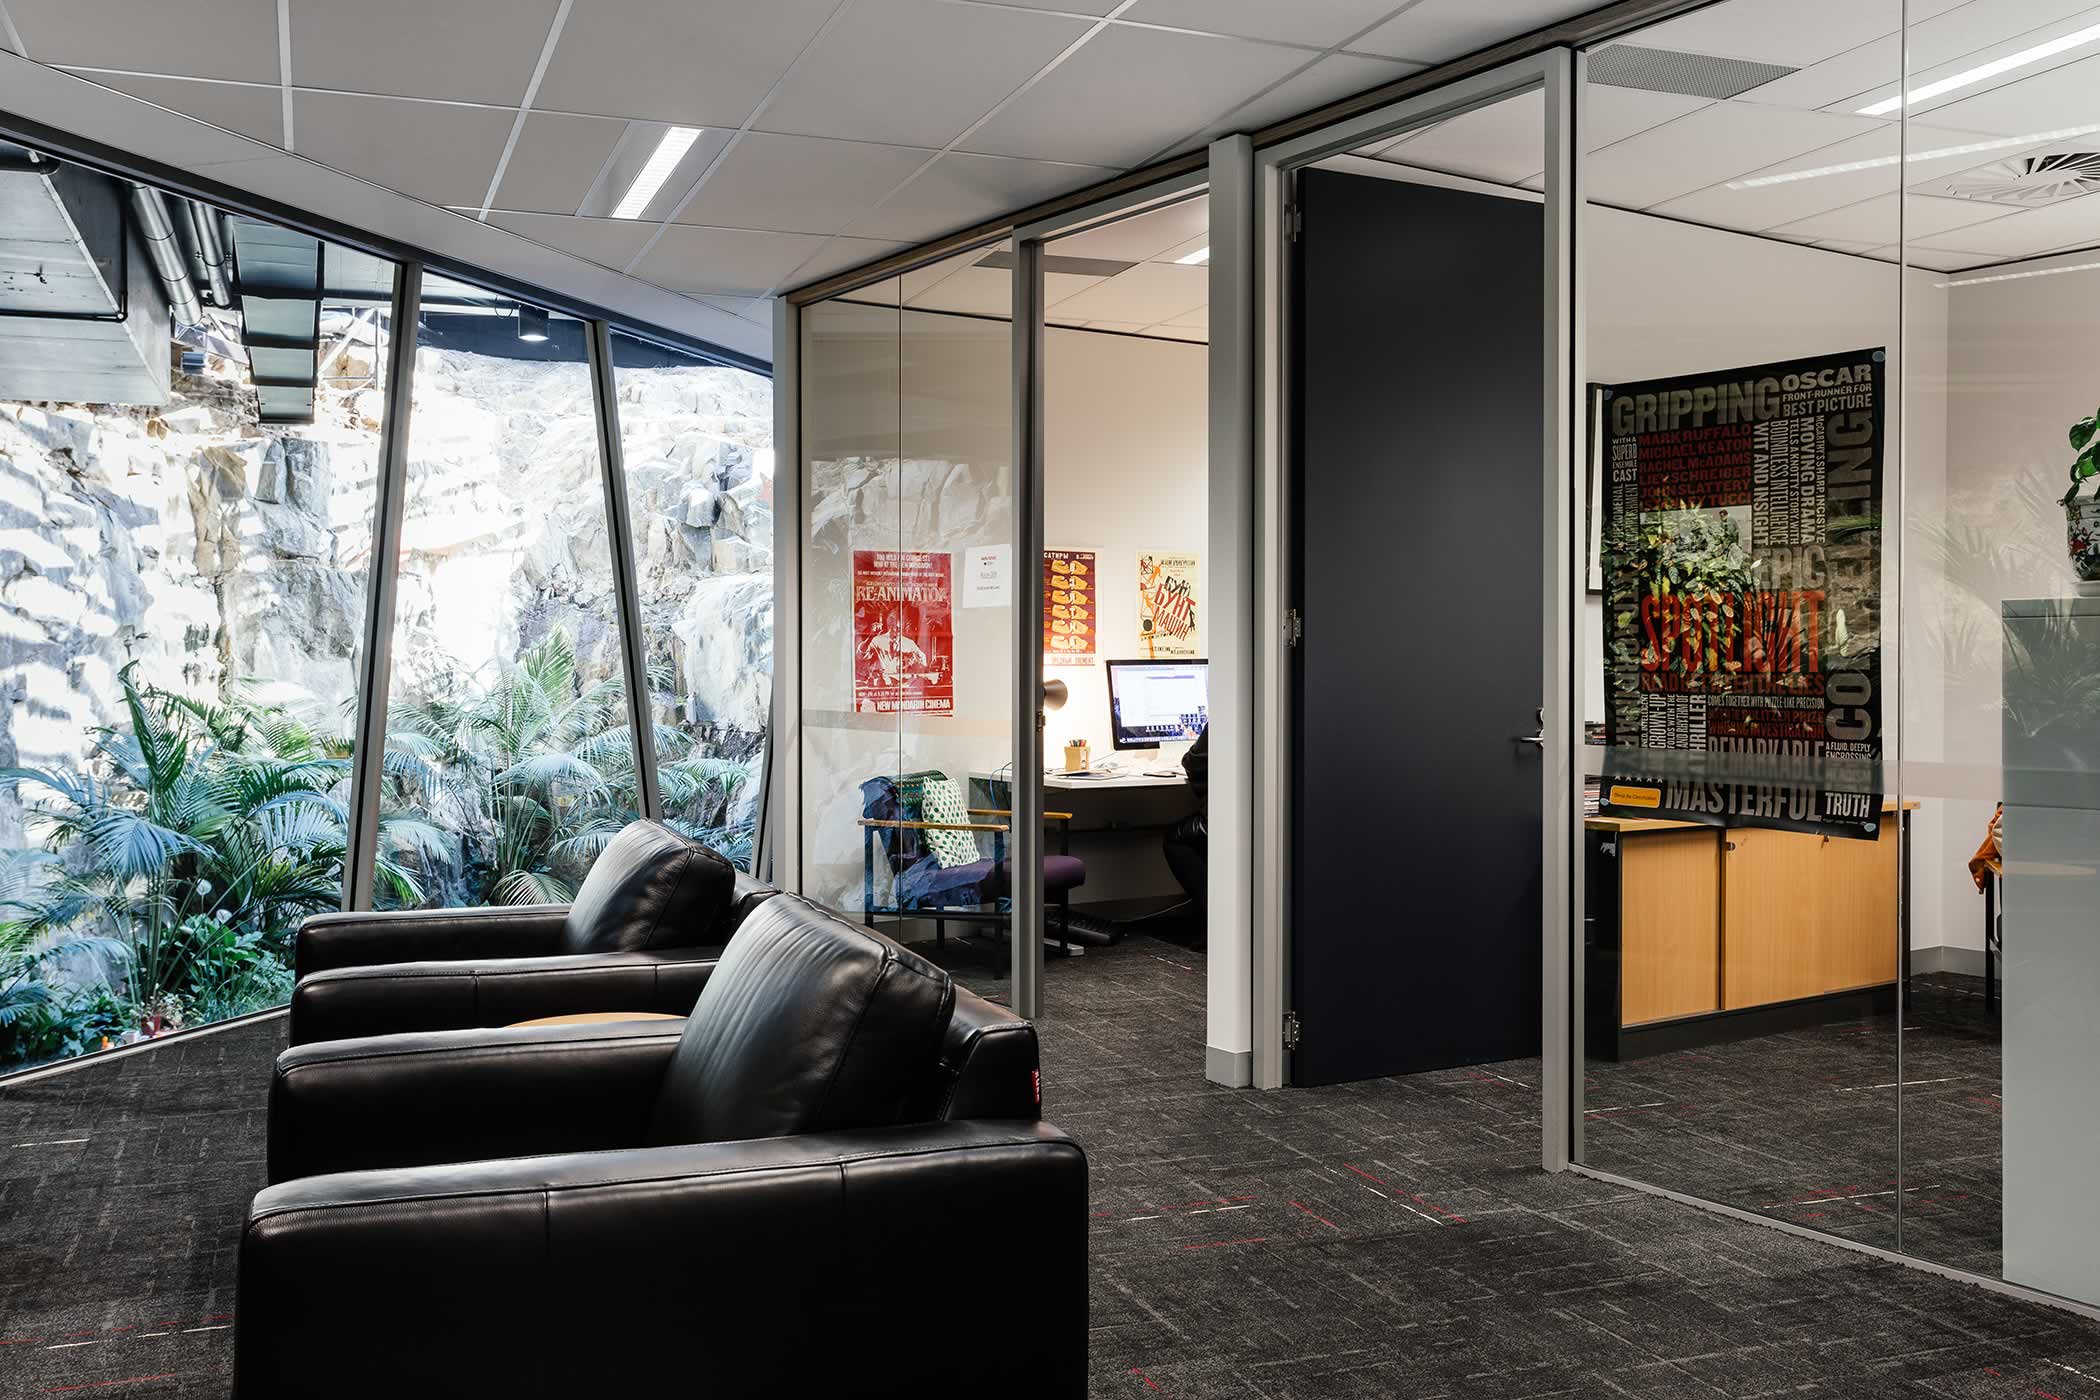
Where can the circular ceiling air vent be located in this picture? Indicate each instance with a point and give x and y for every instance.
(2029, 181)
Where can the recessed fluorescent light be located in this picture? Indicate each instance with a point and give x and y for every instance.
(1201, 255)
(2016, 276)
(1939, 153)
(669, 151)
(1988, 70)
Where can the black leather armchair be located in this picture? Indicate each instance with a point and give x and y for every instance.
(747, 1202)
(642, 935)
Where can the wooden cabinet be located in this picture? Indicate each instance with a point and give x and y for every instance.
(1701, 933)
(1669, 926)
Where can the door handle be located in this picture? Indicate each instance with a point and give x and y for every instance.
(1538, 738)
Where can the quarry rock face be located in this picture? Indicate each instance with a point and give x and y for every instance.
(212, 550)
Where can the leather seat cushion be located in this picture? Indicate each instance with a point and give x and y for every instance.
(650, 889)
(808, 1024)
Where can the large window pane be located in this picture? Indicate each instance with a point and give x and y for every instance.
(2001, 716)
(696, 442)
(509, 761)
(1741, 852)
(187, 475)
(907, 676)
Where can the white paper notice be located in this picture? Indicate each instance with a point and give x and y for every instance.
(987, 580)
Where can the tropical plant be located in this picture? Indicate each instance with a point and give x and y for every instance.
(223, 812)
(2085, 441)
(531, 776)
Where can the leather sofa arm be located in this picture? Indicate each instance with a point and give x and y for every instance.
(731, 1269)
(427, 935)
(397, 998)
(461, 1096)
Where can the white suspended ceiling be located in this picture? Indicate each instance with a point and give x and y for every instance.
(833, 131)
(1794, 159)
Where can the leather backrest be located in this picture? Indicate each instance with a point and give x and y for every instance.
(808, 1024)
(650, 889)
(990, 1066)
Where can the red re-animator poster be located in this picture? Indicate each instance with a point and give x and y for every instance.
(903, 632)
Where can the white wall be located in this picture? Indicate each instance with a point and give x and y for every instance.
(1126, 435)
(2021, 367)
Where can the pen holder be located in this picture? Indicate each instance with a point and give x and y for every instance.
(1077, 756)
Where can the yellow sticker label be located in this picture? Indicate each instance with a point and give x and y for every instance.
(1636, 797)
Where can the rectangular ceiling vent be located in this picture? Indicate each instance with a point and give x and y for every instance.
(2026, 181)
(1686, 74)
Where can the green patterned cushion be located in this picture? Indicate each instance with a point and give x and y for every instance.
(942, 802)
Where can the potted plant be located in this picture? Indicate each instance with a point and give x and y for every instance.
(2082, 513)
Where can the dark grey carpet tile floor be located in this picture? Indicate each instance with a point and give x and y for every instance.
(1394, 1238)
(1802, 1126)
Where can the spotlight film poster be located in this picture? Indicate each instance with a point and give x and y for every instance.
(903, 632)
(1166, 585)
(1742, 595)
(1070, 618)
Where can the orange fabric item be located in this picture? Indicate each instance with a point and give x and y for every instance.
(1990, 855)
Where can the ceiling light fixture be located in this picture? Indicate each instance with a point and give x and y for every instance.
(1969, 76)
(532, 324)
(1201, 255)
(2016, 276)
(662, 161)
(1940, 153)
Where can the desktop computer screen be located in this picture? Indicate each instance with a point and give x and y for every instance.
(1157, 702)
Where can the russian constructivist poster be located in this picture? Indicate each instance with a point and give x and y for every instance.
(1742, 596)
(1070, 619)
(1166, 585)
(903, 632)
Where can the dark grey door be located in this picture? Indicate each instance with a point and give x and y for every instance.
(1419, 421)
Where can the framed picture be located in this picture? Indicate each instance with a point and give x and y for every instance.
(1593, 497)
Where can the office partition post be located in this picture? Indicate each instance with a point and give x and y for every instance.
(376, 665)
(780, 833)
(1244, 1041)
(1027, 804)
(627, 605)
(1560, 901)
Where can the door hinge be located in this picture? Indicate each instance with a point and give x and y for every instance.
(1293, 222)
(1290, 1030)
(1293, 627)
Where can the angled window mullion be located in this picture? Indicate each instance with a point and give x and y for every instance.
(382, 580)
(634, 651)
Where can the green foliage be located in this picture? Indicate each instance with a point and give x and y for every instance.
(2085, 441)
(1690, 551)
(180, 861)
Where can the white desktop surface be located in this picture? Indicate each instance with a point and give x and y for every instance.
(1064, 782)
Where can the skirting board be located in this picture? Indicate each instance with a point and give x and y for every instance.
(1232, 1068)
(1947, 958)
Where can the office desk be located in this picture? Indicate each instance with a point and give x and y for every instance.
(1697, 934)
(1116, 828)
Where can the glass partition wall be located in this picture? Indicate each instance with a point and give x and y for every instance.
(908, 563)
(202, 418)
(1836, 954)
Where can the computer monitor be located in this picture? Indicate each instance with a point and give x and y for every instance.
(1157, 702)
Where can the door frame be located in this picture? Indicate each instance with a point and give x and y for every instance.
(1250, 319)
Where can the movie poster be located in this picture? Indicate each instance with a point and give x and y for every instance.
(1166, 585)
(1070, 618)
(903, 632)
(1742, 596)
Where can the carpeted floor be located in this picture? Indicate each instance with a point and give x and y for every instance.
(1802, 1126)
(1393, 1238)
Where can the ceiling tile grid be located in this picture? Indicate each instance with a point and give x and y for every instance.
(826, 130)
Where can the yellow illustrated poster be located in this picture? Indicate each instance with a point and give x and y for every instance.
(1166, 585)
(1070, 579)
